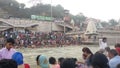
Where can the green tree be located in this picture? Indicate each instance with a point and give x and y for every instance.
(105, 24)
(14, 9)
(22, 6)
(45, 10)
(58, 11)
(80, 18)
(113, 22)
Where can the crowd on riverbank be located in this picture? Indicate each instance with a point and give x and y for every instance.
(105, 57)
(40, 39)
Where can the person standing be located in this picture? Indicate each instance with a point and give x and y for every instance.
(114, 58)
(87, 56)
(103, 43)
(7, 51)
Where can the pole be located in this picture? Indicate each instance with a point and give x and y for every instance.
(51, 15)
(64, 27)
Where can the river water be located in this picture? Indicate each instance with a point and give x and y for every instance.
(68, 51)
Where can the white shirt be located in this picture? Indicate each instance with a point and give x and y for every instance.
(102, 44)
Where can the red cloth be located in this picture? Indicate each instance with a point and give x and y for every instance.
(27, 65)
(118, 50)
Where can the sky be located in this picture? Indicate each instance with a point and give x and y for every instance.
(99, 9)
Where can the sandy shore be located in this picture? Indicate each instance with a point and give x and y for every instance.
(69, 51)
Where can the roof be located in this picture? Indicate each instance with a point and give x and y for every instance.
(19, 23)
(24, 25)
(65, 24)
(4, 29)
(91, 29)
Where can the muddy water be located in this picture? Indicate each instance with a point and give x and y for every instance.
(69, 51)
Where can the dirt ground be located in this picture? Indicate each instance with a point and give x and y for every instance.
(69, 51)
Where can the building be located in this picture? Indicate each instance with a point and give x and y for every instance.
(32, 25)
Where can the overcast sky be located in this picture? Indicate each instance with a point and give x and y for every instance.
(99, 9)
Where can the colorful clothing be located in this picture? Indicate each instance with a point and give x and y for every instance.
(118, 50)
(18, 57)
(55, 66)
(43, 62)
(6, 54)
(114, 62)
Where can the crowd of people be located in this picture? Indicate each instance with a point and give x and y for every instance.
(39, 39)
(103, 58)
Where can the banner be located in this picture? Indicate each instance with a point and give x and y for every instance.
(42, 18)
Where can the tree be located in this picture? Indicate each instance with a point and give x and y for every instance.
(105, 24)
(45, 10)
(59, 11)
(22, 6)
(18, 10)
(113, 22)
(80, 18)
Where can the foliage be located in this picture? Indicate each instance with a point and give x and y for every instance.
(14, 8)
(18, 10)
(79, 19)
(45, 10)
(113, 22)
(105, 24)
